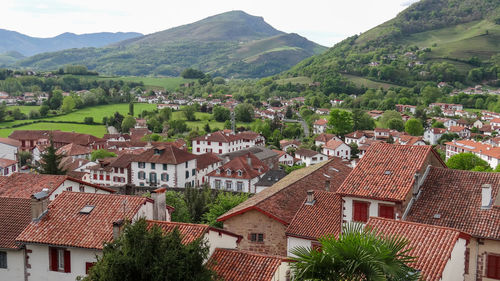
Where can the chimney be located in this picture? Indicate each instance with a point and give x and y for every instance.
(159, 205)
(249, 160)
(39, 203)
(327, 185)
(416, 185)
(310, 197)
(117, 225)
(486, 196)
(226, 159)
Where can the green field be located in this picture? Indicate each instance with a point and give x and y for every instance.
(96, 130)
(360, 81)
(295, 80)
(101, 111)
(24, 108)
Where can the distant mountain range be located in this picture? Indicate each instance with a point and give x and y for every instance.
(15, 42)
(232, 44)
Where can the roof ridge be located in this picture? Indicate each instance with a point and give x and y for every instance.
(252, 253)
(418, 224)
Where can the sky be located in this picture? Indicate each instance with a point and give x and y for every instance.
(323, 21)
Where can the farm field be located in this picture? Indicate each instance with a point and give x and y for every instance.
(24, 108)
(101, 111)
(96, 130)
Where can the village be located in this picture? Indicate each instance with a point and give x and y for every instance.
(395, 183)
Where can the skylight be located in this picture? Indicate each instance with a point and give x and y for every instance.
(87, 209)
(387, 172)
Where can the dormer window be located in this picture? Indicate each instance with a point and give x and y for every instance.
(218, 171)
(228, 171)
(240, 173)
(157, 152)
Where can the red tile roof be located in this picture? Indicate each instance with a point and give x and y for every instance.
(321, 122)
(323, 137)
(73, 149)
(9, 141)
(476, 147)
(241, 163)
(306, 152)
(64, 225)
(168, 154)
(333, 144)
(205, 160)
(218, 136)
(188, 231)
(319, 219)
(386, 171)
(22, 185)
(234, 265)
(15, 215)
(356, 135)
(431, 245)
(283, 199)
(455, 196)
(6, 162)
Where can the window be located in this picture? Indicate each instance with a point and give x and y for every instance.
(209, 143)
(60, 260)
(257, 237)
(229, 185)
(107, 177)
(228, 172)
(360, 213)
(152, 177)
(220, 143)
(240, 173)
(186, 164)
(217, 184)
(3, 259)
(153, 166)
(197, 149)
(14, 167)
(6, 171)
(187, 174)
(142, 165)
(493, 266)
(121, 170)
(69, 188)
(386, 211)
(95, 176)
(193, 171)
(164, 177)
(82, 188)
(239, 186)
(88, 266)
(165, 167)
(141, 175)
(101, 177)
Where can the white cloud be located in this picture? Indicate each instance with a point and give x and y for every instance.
(324, 21)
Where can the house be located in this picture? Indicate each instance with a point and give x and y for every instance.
(477, 124)
(489, 153)
(240, 174)
(205, 164)
(337, 148)
(381, 133)
(284, 158)
(446, 106)
(136, 134)
(265, 155)
(221, 142)
(375, 114)
(432, 135)
(165, 166)
(406, 108)
(310, 157)
(8, 167)
(323, 138)
(440, 251)
(9, 148)
(410, 140)
(269, 178)
(236, 265)
(322, 111)
(66, 249)
(462, 132)
(447, 122)
(15, 215)
(319, 215)
(289, 144)
(115, 171)
(320, 126)
(262, 219)
(382, 183)
(469, 202)
(24, 185)
(172, 106)
(75, 151)
(116, 137)
(356, 137)
(30, 138)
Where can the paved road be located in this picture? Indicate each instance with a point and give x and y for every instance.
(302, 122)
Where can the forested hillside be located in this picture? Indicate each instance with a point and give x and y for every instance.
(454, 41)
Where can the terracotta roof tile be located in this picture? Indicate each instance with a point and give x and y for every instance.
(321, 122)
(306, 152)
(188, 231)
(284, 198)
(431, 245)
(204, 160)
(73, 149)
(476, 147)
(455, 196)
(64, 225)
(319, 219)
(10, 141)
(241, 163)
(386, 171)
(234, 265)
(168, 154)
(15, 215)
(323, 137)
(333, 144)
(6, 162)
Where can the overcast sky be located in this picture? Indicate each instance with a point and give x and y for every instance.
(323, 21)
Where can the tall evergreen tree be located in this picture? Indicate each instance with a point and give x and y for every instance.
(50, 162)
(131, 109)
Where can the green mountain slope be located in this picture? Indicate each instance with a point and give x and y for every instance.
(432, 40)
(232, 44)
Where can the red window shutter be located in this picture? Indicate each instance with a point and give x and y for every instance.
(88, 265)
(53, 258)
(386, 211)
(95, 176)
(493, 267)
(67, 261)
(467, 257)
(360, 211)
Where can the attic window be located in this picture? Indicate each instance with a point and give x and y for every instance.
(228, 172)
(157, 152)
(387, 173)
(87, 209)
(240, 173)
(437, 216)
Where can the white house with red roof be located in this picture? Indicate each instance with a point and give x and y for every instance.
(165, 166)
(286, 144)
(382, 183)
(240, 174)
(310, 157)
(9, 148)
(8, 167)
(487, 152)
(432, 135)
(320, 126)
(336, 148)
(323, 138)
(75, 151)
(284, 158)
(356, 137)
(221, 142)
(205, 164)
(115, 171)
